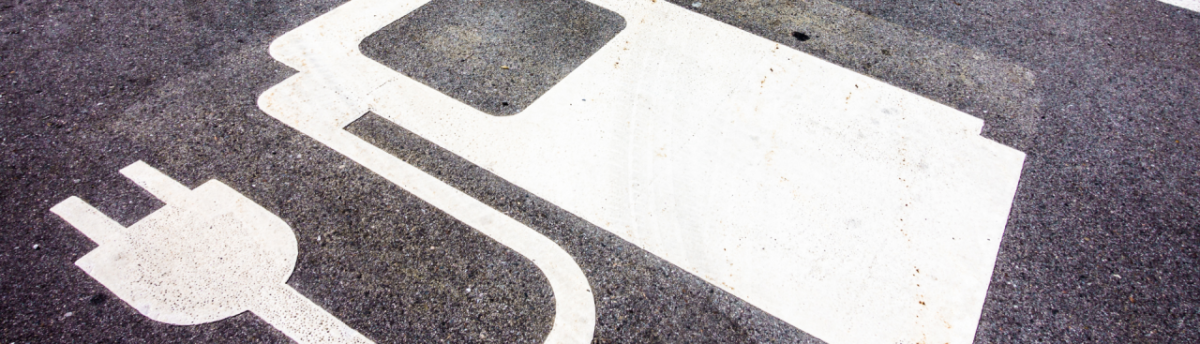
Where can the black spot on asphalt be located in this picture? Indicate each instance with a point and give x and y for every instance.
(800, 36)
(98, 299)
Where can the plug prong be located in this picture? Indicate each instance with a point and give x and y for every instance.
(87, 219)
(156, 183)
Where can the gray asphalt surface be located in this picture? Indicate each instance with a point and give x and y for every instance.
(1101, 245)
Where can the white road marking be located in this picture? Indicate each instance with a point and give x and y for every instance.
(1193, 5)
(208, 254)
(849, 208)
(315, 107)
(575, 312)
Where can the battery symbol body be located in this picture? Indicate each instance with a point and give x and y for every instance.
(849, 208)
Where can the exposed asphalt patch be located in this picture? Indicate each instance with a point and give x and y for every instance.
(496, 56)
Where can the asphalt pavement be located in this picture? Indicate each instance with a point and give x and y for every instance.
(1102, 97)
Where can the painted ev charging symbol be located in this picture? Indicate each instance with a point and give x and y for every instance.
(208, 254)
(849, 208)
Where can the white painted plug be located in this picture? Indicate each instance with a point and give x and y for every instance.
(208, 254)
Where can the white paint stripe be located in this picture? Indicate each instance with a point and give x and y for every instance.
(1193, 5)
(574, 319)
(208, 254)
(91, 222)
(156, 183)
(847, 207)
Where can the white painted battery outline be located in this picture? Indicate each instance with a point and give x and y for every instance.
(717, 150)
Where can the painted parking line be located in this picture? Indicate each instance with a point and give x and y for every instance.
(208, 254)
(1193, 5)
